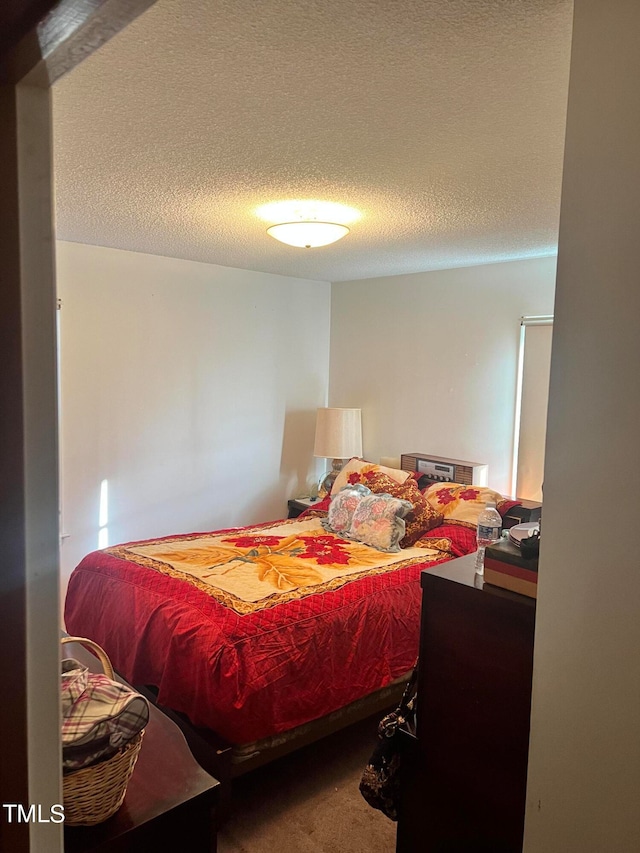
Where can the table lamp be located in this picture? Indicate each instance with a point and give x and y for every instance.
(338, 437)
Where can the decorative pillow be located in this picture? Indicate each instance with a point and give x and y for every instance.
(423, 515)
(379, 521)
(356, 466)
(463, 504)
(342, 507)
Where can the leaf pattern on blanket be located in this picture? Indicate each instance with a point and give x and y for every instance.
(198, 558)
(275, 564)
(249, 568)
(286, 573)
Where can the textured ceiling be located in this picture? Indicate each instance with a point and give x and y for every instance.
(441, 121)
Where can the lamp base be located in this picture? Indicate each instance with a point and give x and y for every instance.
(327, 480)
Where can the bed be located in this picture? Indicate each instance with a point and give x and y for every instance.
(263, 638)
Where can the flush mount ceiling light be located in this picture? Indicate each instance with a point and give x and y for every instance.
(308, 234)
(307, 224)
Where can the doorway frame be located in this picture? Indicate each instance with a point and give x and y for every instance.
(45, 40)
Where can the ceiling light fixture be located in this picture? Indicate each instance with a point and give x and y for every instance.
(308, 234)
(307, 223)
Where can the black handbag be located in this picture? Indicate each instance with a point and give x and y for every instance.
(380, 782)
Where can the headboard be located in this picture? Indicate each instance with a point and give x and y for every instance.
(439, 469)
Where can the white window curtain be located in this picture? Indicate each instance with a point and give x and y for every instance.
(531, 406)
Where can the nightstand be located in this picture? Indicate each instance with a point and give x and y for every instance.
(525, 512)
(298, 505)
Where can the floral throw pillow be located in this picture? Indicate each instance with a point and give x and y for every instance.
(342, 507)
(463, 504)
(379, 521)
(354, 469)
(423, 515)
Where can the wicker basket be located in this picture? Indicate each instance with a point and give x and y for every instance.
(95, 793)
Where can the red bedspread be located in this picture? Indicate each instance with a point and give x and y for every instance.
(329, 633)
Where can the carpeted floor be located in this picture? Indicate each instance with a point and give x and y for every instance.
(309, 802)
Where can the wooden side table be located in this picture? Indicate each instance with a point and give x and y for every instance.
(298, 505)
(527, 511)
(170, 802)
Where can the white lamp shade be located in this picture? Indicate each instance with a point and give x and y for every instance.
(338, 433)
(308, 235)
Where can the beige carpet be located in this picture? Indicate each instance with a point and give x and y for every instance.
(309, 802)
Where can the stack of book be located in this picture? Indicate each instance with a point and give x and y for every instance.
(505, 566)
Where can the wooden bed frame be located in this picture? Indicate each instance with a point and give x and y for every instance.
(226, 761)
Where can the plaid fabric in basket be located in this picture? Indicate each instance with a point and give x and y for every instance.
(99, 716)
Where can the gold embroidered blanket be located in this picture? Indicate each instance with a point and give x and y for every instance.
(256, 567)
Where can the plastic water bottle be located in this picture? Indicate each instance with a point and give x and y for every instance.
(489, 531)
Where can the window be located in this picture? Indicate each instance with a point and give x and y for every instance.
(532, 397)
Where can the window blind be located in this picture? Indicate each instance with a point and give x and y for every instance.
(531, 410)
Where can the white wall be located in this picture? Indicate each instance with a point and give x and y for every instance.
(190, 388)
(584, 766)
(431, 358)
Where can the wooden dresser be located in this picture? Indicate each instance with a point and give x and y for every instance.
(464, 776)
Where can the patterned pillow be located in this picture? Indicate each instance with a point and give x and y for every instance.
(355, 467)
(463, 504)
(379, 521)
(423, 515)
(342, 507)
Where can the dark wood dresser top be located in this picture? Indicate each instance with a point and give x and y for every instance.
(463, 571)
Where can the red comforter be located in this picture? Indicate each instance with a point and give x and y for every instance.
(245, 666)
